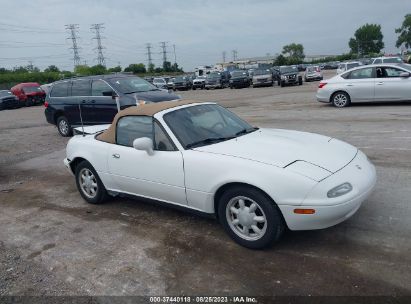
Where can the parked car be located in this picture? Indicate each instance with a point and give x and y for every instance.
(289, 76)
(29, 93)
(345, 66)
(239, 79)
(199, 82)
(182, 83)
(160, 83)
(204, 158)
(262, 77)
(8, 100)
(170, 84)
(387, 60)
(313, 73)
(96, 97)
(383, 82)
(215, 80)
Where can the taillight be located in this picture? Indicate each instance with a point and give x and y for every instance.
(46, 104)
(321, 85)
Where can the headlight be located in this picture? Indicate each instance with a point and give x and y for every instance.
(283, 77)
(231, 81)
(339, 190)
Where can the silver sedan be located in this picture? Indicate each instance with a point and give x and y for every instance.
(382, 82)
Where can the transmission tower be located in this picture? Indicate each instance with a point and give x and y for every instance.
(97, 28)
(73, 28)
(235, 54)
(149, 59)
(224, 56)
(175, 56)
(163, 45)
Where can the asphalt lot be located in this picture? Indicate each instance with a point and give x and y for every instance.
(53, 243)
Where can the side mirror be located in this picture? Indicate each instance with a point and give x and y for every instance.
(144, 144)
(107, 93)
(405, 74)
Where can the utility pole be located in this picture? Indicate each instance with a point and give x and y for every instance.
(175, 56)
(73, 29)
(224, 56)
(235, 53)
(163, 45)
(149, 59)
(97, 28)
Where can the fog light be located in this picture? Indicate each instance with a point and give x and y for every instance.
(304, 211)
(339, 190)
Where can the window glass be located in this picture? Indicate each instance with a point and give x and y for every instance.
(98, 87)
(80, 88)
(393, 60)
(59, 90)
(392, 72)
(131, 127)
(161, 141)
(376, 61)
(352, 65)
(361, 74)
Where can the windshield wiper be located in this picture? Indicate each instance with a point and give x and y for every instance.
(245, 131)
(206, 141)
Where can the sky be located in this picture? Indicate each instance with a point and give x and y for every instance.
(201, 30)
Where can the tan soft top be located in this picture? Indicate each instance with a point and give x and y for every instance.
(149, 109)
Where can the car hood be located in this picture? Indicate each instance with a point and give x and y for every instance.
(157, 96)
(282, 147)
(288, 74)
(262, 76)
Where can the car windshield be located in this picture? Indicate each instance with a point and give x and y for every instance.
(31, 89)
(5, 93)
(313, 69)
(201, 77)
(202, 125)
(213, 76)
(405, 66)
(238, 74)
(352, 65)
(128, 85)
(261, 72)
(392, 60)
(288, 69)
(159, 80)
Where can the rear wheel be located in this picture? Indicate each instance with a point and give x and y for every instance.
(300, 81)
(341, 100)
(29, 102)
(250, 217)
(282, 84)
(89, 184)
(64, 127)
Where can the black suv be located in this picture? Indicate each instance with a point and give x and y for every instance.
(96, 97)
(239, 79)
(288, 75)
(182, 83)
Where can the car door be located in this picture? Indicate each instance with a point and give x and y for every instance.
(360, 84)
(80, 95)
(104, 106)
(390, 86)
(160, 175)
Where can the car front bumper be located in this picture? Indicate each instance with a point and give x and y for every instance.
(360, 173)
(67, 162)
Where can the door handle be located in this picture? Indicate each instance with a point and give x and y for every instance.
(117, 156)
(380, 83)
(93, 101)
(349, 85)
(83, 101)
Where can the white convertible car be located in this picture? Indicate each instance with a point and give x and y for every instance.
(203, 157)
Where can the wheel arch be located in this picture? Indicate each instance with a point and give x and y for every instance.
(229, 185)
(74, 163)
(57, 114)
(339, 91)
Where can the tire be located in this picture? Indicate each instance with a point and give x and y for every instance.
(29, 102)
(340, 99)
(300, 81)
(282, 84)
(267, 230)
(89, 184)
(63, 126)
(194, 88)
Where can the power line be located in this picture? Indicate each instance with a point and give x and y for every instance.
(97, 28)
(73, 28)
(149, 59)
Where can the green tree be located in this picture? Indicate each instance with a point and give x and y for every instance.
(294, 52)
(404, 32)
(20, 69)
(280, 60)
(167, 66)
(82, 70)
(136, 68)
(52, 68)
(367, 40)
(151, 68)
(98, 70)
(116, 69)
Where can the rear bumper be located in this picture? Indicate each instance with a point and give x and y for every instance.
(332, 211)
(49, 116)
(323, 96)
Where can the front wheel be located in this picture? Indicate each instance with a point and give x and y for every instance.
(89, 184)
(64, 127)
(300, 81)
(341, 100)
(250, 217)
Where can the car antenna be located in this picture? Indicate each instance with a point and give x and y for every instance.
(81, 119)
